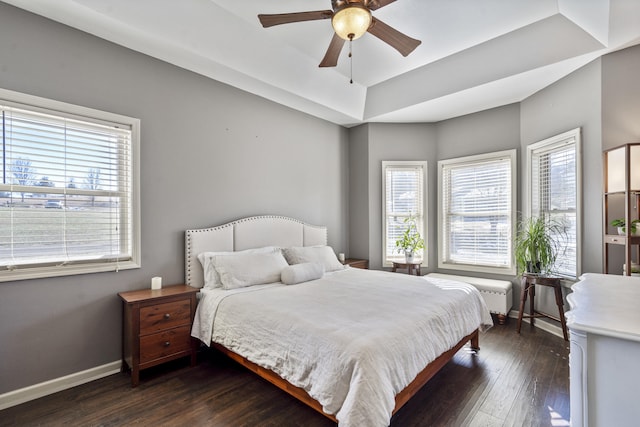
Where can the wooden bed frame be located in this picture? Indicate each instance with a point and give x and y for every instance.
(401, 398)
(258, 231)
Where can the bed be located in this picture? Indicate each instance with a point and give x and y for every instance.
(353, 344)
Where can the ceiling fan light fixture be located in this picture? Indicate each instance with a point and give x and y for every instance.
(351, 21)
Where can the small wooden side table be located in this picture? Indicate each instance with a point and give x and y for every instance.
(412, 267)
(528, 287)
(157, 327)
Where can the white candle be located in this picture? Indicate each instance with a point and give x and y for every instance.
(156, 283)
(341, 257)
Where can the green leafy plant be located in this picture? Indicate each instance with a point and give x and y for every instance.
(537, 245)
(621, 223)
(410, 240)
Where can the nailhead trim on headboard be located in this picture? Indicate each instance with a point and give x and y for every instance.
(189, 233)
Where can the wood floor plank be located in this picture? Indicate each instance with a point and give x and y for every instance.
(532, 395)
(515, 379)
(482, 419)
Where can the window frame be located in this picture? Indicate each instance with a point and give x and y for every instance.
(547, 145)
(422, 225)
(475, 159)
(63, 109)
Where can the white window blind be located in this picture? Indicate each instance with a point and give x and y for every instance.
(66, 193)
(404, 186)
(477, 209)
(553, 188)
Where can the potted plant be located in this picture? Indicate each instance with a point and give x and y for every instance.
(537, 245)
(621, 224)
(410, 241)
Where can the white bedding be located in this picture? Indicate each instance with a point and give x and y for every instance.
(352, 339)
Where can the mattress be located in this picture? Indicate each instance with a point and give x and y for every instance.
(352, 339)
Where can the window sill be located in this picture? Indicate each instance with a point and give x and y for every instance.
(505, 271)
(64, 270)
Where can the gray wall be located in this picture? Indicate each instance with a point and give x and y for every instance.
(359, 192)
(492, 130)
(209, 154)
(484, 132)
(397, 142)
(621, 97)
(574, 101)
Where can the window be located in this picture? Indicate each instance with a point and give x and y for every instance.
(553, 192)
(403, 194)
(476, 216)
(68, 189)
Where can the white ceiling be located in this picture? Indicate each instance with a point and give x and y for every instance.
(475, 54)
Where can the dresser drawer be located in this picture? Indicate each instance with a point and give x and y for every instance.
(164, 316)
(163, 344)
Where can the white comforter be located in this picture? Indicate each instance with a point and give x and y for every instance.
(352, 339)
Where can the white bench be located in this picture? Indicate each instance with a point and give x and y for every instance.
(496, 293)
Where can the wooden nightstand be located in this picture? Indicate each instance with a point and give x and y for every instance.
(357, 263)
(157, 327)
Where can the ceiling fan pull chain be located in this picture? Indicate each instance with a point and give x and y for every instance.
(351, 58)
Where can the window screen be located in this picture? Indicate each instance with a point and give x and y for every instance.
(66, 191)
(477, 212)
(553, 189)
(404, 196)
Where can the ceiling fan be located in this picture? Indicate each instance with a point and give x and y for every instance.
(350, 20)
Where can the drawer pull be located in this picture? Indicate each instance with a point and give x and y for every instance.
(167, 316)
(167, 343)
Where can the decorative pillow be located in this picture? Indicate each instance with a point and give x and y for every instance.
(241, 270)
(211, 277)
(298, 273)
(320, 254)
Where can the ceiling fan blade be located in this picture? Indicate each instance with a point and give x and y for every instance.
(394, 38)
(377, 4)
(288, 18)
(335, 47)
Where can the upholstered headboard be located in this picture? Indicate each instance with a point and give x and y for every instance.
(246, 233)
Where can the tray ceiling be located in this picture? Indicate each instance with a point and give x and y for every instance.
(474, 54)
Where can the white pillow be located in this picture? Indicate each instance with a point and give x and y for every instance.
(211, 277)
(320, 254)
(241, 270)
(298, 273)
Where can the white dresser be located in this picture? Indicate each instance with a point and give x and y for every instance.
(604, 325)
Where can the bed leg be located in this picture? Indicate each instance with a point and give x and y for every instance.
(475, 341)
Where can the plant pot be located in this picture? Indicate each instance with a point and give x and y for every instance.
(534, 267)
(408, 256)
(621, 231)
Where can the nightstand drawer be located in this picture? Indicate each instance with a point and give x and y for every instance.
(164, 316)
(164, 344)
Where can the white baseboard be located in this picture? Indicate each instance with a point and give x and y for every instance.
(55, 385)
(540, 324)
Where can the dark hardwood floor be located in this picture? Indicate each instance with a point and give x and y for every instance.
(515, 380)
